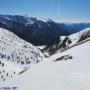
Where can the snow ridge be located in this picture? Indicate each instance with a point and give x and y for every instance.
(16, 54)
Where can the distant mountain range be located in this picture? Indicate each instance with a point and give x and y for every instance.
(74, 27)
(39, 32)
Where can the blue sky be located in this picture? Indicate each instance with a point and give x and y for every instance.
(58, 10)
(75, 10)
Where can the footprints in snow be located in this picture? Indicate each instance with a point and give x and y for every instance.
(4, 74)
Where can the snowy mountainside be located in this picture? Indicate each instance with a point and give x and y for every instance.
(80, 36)
(70, 74)
(16, 55)
(66, 69)
(67, 42)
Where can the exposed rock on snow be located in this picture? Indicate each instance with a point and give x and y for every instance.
(64, 57)
(84, 34)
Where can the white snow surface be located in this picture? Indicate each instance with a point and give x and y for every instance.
(73, 74)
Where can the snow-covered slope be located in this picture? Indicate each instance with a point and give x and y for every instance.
(16, 55)
(70, 74)
(80, 36)
(67, 42)
(67, 70)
